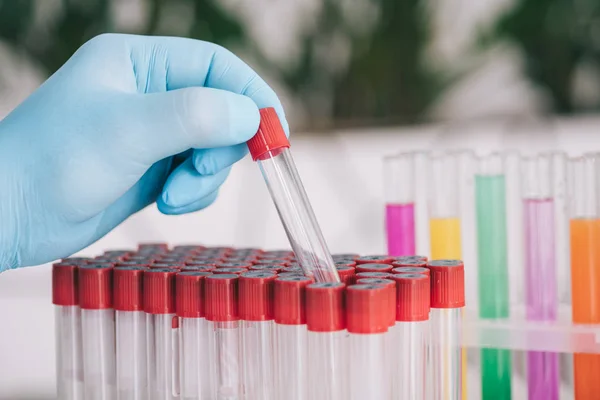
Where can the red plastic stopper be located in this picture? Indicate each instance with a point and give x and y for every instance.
(189, 287)
(447, 283)
(412, 261)
(234, 265)
(390, 287)
(373, 267)
(95, 286)
(347, 274)
(128, 294)
(198, 268)
(256, 296)
(325, 307)
(221, 297)
(411, 270)
(290, 296)
(412, 297)
(374, 259)
(228, 271)
(159, 290)
(373, 275)
(276, 268)
(270, 136)
(367, 308)
(65, 284)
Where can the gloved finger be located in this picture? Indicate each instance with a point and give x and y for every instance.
(198, 205)
(186, 186)
(211, 161)
(175, 121)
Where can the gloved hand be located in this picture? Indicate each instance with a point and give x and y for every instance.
(127, 121)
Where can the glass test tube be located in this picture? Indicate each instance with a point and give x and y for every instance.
(411, 336)
(98, 331)
(444, 213)
(399, 179)
(256, 291)
(69, 373)
(291, 353)
(326, 324)
(584, 224)
(540, 270)
(159, 306)
(193, 336)
(366, 317)
(447, 302)
(270, 148)
(221, 295)
(492, 253)
(130, 331)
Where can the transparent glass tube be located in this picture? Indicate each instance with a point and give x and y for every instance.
(327, 372)
(367, 371)
(193, 350)
(399, 178)
(297, 216)
(98, 345)
(69, 372)
(291, 362)
(410, 354)
(224, 353)
(257, 359)
(444, 212)
(160, 342)
(540, 269)
(131, 355)
(446, 354)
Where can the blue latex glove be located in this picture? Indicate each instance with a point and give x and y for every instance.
(112, 131)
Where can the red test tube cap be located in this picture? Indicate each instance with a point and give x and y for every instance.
(270, 136)
(347, 274)
(95, 286)
(367, 308)
(390, 287)
(373, 267)
(372, 275)
(229, 270)
(65, 284)
(325, 307)
(128, 283)
(256, 297)
(412, 297)
(447, 283)
(221, 297)
(374, 259)
(290, 297)
(189, 289)
(159, 290)
(411, 270)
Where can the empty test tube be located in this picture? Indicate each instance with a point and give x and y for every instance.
(270, 148)
(399, 178)
(98, 331)
(69, 373)
(130, 330)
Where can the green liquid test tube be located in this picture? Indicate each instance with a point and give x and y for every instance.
(492, 254)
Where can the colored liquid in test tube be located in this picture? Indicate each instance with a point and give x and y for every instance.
(540, 270)
(585, 265)
(399, 171)
(492, 252)
(270, 148)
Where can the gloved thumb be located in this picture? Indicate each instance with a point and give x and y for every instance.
(158, 125)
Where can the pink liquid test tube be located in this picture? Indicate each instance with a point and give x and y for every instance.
(98, 332)
(193, 336)
(270, 148)
(291, 351)
(130, 331)
(161, 333)
(399, 178)
(367, 323)
(256, 295)
(540, 270)
(65, 297)
(327, 344)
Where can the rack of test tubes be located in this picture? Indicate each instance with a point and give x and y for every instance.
(528, 230)
(222, 323)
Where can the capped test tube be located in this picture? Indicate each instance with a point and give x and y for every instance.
(291, 353)
(193, 336)
(540, 270)
(256, 291)
(326, 323)
(159, 306)
(584, 224)
(367, 323)
(98, 331)
(69, 373)
(270, 147)
(130, 328)
(447, 302)
(411, 335)
(373, 267)
(221, 295)
(399, 178)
